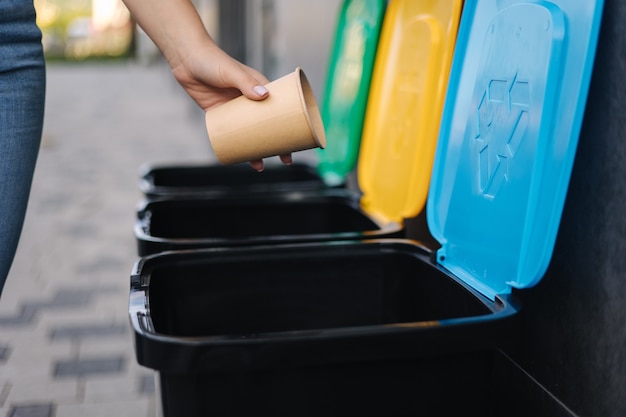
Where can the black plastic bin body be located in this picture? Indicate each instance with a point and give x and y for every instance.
(288, 217)
(192, 180)
(331, 328)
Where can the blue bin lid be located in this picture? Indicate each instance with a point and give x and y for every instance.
(510, 127)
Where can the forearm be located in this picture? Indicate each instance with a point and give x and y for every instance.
(173, 25)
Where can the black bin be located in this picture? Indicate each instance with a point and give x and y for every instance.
(189, 180)
(335, 328)
(290, 217)
(353, 328)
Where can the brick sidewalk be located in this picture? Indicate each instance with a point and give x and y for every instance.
(66, 348)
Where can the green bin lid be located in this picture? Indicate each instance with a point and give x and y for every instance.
(347, 86)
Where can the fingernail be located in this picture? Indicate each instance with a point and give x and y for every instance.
(257, 165)
(260, 90)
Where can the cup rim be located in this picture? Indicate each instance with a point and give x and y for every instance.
(311, 108)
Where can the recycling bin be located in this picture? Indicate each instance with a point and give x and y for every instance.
(342, 108)
(351, 328)
(186, 223)
(395, 160)
(163, 180)
(384, 326)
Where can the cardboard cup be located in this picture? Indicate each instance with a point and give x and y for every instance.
(287, 121)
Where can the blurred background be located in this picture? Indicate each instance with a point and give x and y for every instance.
(83, 29)
(273, 36)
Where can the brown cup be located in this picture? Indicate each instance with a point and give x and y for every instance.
(287, 121)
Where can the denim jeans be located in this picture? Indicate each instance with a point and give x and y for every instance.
(22, 100)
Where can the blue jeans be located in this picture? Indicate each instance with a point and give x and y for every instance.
(22, 100)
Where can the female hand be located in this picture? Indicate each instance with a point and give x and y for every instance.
(208, 74)
(219, 78)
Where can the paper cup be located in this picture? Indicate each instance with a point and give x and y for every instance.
(287, 121)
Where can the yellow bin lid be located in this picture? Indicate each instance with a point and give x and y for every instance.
(409, 82)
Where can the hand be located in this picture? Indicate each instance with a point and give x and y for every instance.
(218, 79)
(207, 73)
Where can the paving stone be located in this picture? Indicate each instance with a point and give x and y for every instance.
(5, 351)
(106, 347)
(64, 298)
(45, 391)
(24, 317)
(103, 263)
(5, 389)
(142, 407)
(32, 410)
(115, 388)
(64, 310)
(32, 362)
(88, 367)
(147, 384)
(88, 331)
(70, 298)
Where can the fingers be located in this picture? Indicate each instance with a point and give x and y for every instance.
(257, 165)
(286, 159)
(250, 82)
(252, 88)
(260, 92)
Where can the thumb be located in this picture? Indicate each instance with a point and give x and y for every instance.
(257, 92)
(250, 82)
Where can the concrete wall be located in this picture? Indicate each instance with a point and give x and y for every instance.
(285, 34)
(274, 36)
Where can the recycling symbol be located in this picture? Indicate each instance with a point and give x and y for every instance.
(502, 123)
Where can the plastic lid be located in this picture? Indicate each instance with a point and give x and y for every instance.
(347, 86)
(509, 132)
(405, 104)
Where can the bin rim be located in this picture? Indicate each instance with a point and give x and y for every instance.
(169, 352)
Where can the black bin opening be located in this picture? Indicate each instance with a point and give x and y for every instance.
(236, 175)
(235, 219)
(270, 293)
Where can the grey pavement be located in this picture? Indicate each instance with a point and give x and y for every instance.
(66, 346)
